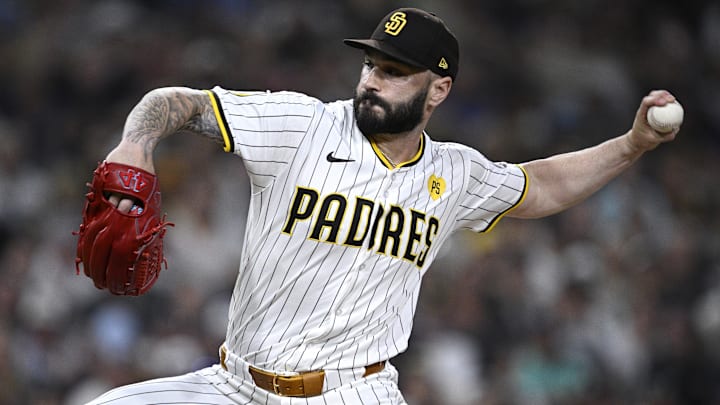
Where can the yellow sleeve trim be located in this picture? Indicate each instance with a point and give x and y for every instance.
(517, 204)
(222, 123)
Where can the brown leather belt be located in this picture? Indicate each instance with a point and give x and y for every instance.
(305, 384)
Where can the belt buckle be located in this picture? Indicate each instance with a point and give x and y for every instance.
(275, 385)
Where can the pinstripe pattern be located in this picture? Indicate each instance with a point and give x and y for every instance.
(304, 303)
(334, 252)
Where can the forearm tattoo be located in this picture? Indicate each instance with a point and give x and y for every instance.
(165, 111)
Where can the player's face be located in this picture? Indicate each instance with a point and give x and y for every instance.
(382, 104)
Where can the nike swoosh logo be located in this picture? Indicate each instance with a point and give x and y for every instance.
(333, 159)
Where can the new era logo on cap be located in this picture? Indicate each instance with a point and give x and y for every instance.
(443, 64)
(415, 37)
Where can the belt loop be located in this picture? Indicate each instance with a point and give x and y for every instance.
(223, 357)
(374, 368)
(275, 385)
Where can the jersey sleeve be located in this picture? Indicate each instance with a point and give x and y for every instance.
(493, 189)
(264, 128)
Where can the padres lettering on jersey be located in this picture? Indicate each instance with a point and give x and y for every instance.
(337, 241)
(405, 234)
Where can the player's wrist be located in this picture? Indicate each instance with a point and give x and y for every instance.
(634, 145)
(131, 153)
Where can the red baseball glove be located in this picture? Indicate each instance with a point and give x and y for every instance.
(122, 252)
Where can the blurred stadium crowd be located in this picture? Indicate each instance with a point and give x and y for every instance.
(616, 301)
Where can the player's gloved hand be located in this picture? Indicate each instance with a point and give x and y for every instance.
(120, 239)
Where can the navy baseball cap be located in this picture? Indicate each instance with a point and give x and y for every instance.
(415, 37)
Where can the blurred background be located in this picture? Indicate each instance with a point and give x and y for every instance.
(616, 301)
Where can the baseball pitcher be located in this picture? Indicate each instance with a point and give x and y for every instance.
(351, 201)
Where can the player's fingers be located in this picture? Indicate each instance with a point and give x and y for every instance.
(669, 136)
(655, 97)
(122, 204)
(658, 97)
(114, 199)
(125, 205)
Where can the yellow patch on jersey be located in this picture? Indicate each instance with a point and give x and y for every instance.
(436, 187)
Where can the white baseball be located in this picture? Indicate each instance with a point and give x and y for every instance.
(666, 118)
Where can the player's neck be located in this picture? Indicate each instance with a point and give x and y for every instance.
(398, 148)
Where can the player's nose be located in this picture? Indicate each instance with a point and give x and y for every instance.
(370, 81)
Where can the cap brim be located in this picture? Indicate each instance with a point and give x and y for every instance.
(382, 47)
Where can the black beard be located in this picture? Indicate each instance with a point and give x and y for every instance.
(399, 118)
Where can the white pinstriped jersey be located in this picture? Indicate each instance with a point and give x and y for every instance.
(337, 240)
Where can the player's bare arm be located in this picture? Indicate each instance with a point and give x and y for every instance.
(160, 113)
(560, 181)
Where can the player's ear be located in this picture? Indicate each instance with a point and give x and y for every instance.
(439, 90)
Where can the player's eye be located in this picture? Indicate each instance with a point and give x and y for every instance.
(368, 64)
(392, 71)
